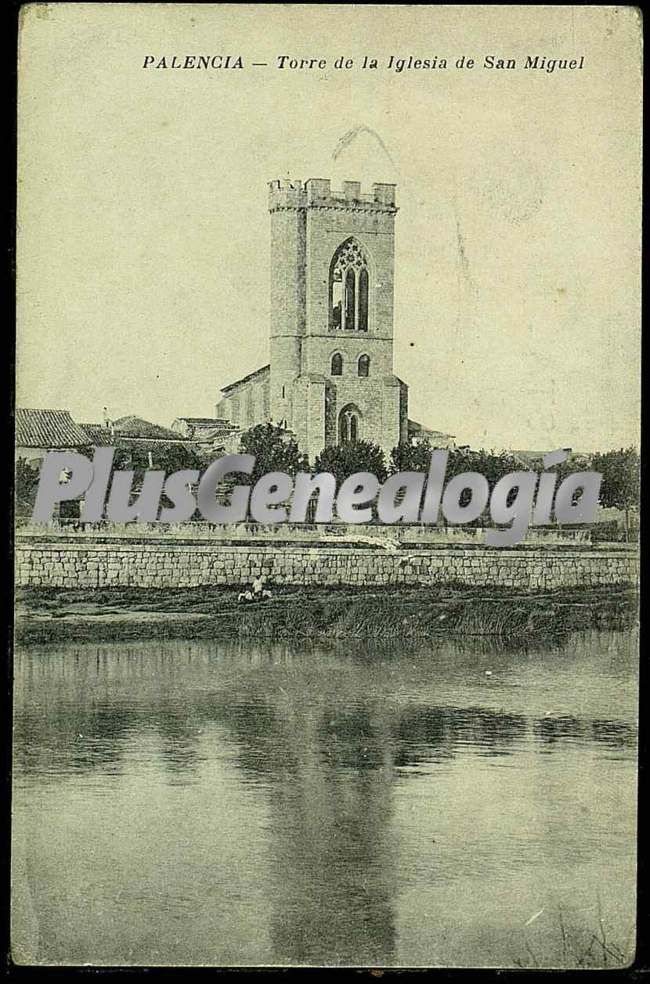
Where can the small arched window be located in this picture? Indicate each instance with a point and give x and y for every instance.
(337, 364)
(348, 288)
(363, 365)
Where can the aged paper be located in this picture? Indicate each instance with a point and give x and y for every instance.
(360, 232)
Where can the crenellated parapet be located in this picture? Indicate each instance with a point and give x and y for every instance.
(317, 193)
(285, 194)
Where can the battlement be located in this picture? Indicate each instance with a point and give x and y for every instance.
(317, 193)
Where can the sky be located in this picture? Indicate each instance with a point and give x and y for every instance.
(143, 230)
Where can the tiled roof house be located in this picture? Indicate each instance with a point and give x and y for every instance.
(38, 431)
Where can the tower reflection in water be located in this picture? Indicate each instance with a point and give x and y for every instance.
(323, 740)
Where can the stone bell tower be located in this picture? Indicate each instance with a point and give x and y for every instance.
(332, 260)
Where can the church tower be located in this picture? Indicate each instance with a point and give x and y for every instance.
(332, 263)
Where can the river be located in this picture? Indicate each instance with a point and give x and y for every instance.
(246, 803)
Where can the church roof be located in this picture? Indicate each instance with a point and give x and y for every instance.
(245, 379)
(416, 427)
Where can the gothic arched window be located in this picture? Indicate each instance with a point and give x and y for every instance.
(363, 365)
(349, 424)
(337, 364)
(348, 288)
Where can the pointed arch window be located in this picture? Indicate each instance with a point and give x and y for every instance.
(363, 366)
(349, 424)
(336, 368)
(348, 288)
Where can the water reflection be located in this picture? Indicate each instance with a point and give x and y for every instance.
(241, 804)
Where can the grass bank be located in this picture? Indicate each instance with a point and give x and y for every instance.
(386, 614)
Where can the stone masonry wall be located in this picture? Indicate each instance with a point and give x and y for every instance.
(64, 562)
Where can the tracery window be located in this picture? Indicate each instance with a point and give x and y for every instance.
(348, 287)
(349, 421)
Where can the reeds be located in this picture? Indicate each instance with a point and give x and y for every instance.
(574, 947)
(385, 615)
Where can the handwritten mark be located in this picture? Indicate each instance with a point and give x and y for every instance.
(355, 132)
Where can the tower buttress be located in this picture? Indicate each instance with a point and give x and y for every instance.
(287, 205)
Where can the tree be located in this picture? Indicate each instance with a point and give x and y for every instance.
(492, 465)
(343, 460)
(416, 457)
(168, 457)
(411, 457)
(274, 450)
(177, 457)
(620, 486)
(25, 487)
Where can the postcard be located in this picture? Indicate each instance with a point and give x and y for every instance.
(327, 486)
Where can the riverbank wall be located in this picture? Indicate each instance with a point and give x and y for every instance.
(85, 560)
